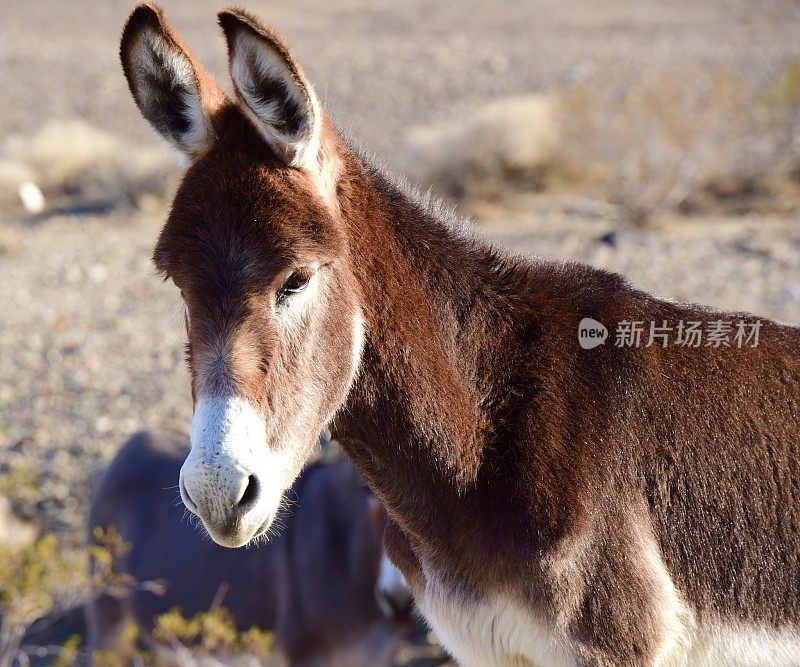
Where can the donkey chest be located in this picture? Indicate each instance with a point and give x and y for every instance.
(489, 631)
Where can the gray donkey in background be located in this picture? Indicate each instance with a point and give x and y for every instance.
(321, 584)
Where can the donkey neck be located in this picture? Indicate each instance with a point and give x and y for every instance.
(435, 316)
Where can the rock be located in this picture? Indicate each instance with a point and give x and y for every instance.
(32, 197)
(14, 532)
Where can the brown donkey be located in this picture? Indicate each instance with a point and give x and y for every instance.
(551, 504)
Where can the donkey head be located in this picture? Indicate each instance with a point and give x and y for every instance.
(256, 244)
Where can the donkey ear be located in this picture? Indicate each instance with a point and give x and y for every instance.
(272, 88)
(171, 89)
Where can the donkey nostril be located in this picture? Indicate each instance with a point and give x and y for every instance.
(187, 499)
(251, 492)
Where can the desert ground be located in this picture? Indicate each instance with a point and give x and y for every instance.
(91, 339)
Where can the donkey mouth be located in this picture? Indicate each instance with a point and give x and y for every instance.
(234, 535)
(263, 528)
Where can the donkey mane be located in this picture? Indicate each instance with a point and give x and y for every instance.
(426, 199)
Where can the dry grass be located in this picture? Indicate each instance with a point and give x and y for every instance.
(654, 146)
(79, 167)
(508, 143)
(649, 145)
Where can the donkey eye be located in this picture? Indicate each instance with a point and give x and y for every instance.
(294, 284)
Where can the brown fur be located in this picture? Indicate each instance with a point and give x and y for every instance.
(510, 458)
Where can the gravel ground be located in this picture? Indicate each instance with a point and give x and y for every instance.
(91, 341)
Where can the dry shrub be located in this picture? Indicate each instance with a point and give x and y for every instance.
(505, 144)
(211, 637)
(43, 581)
(208, 639)
(36, 581)
(648, 143)
(78, 166)
(654, 144)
